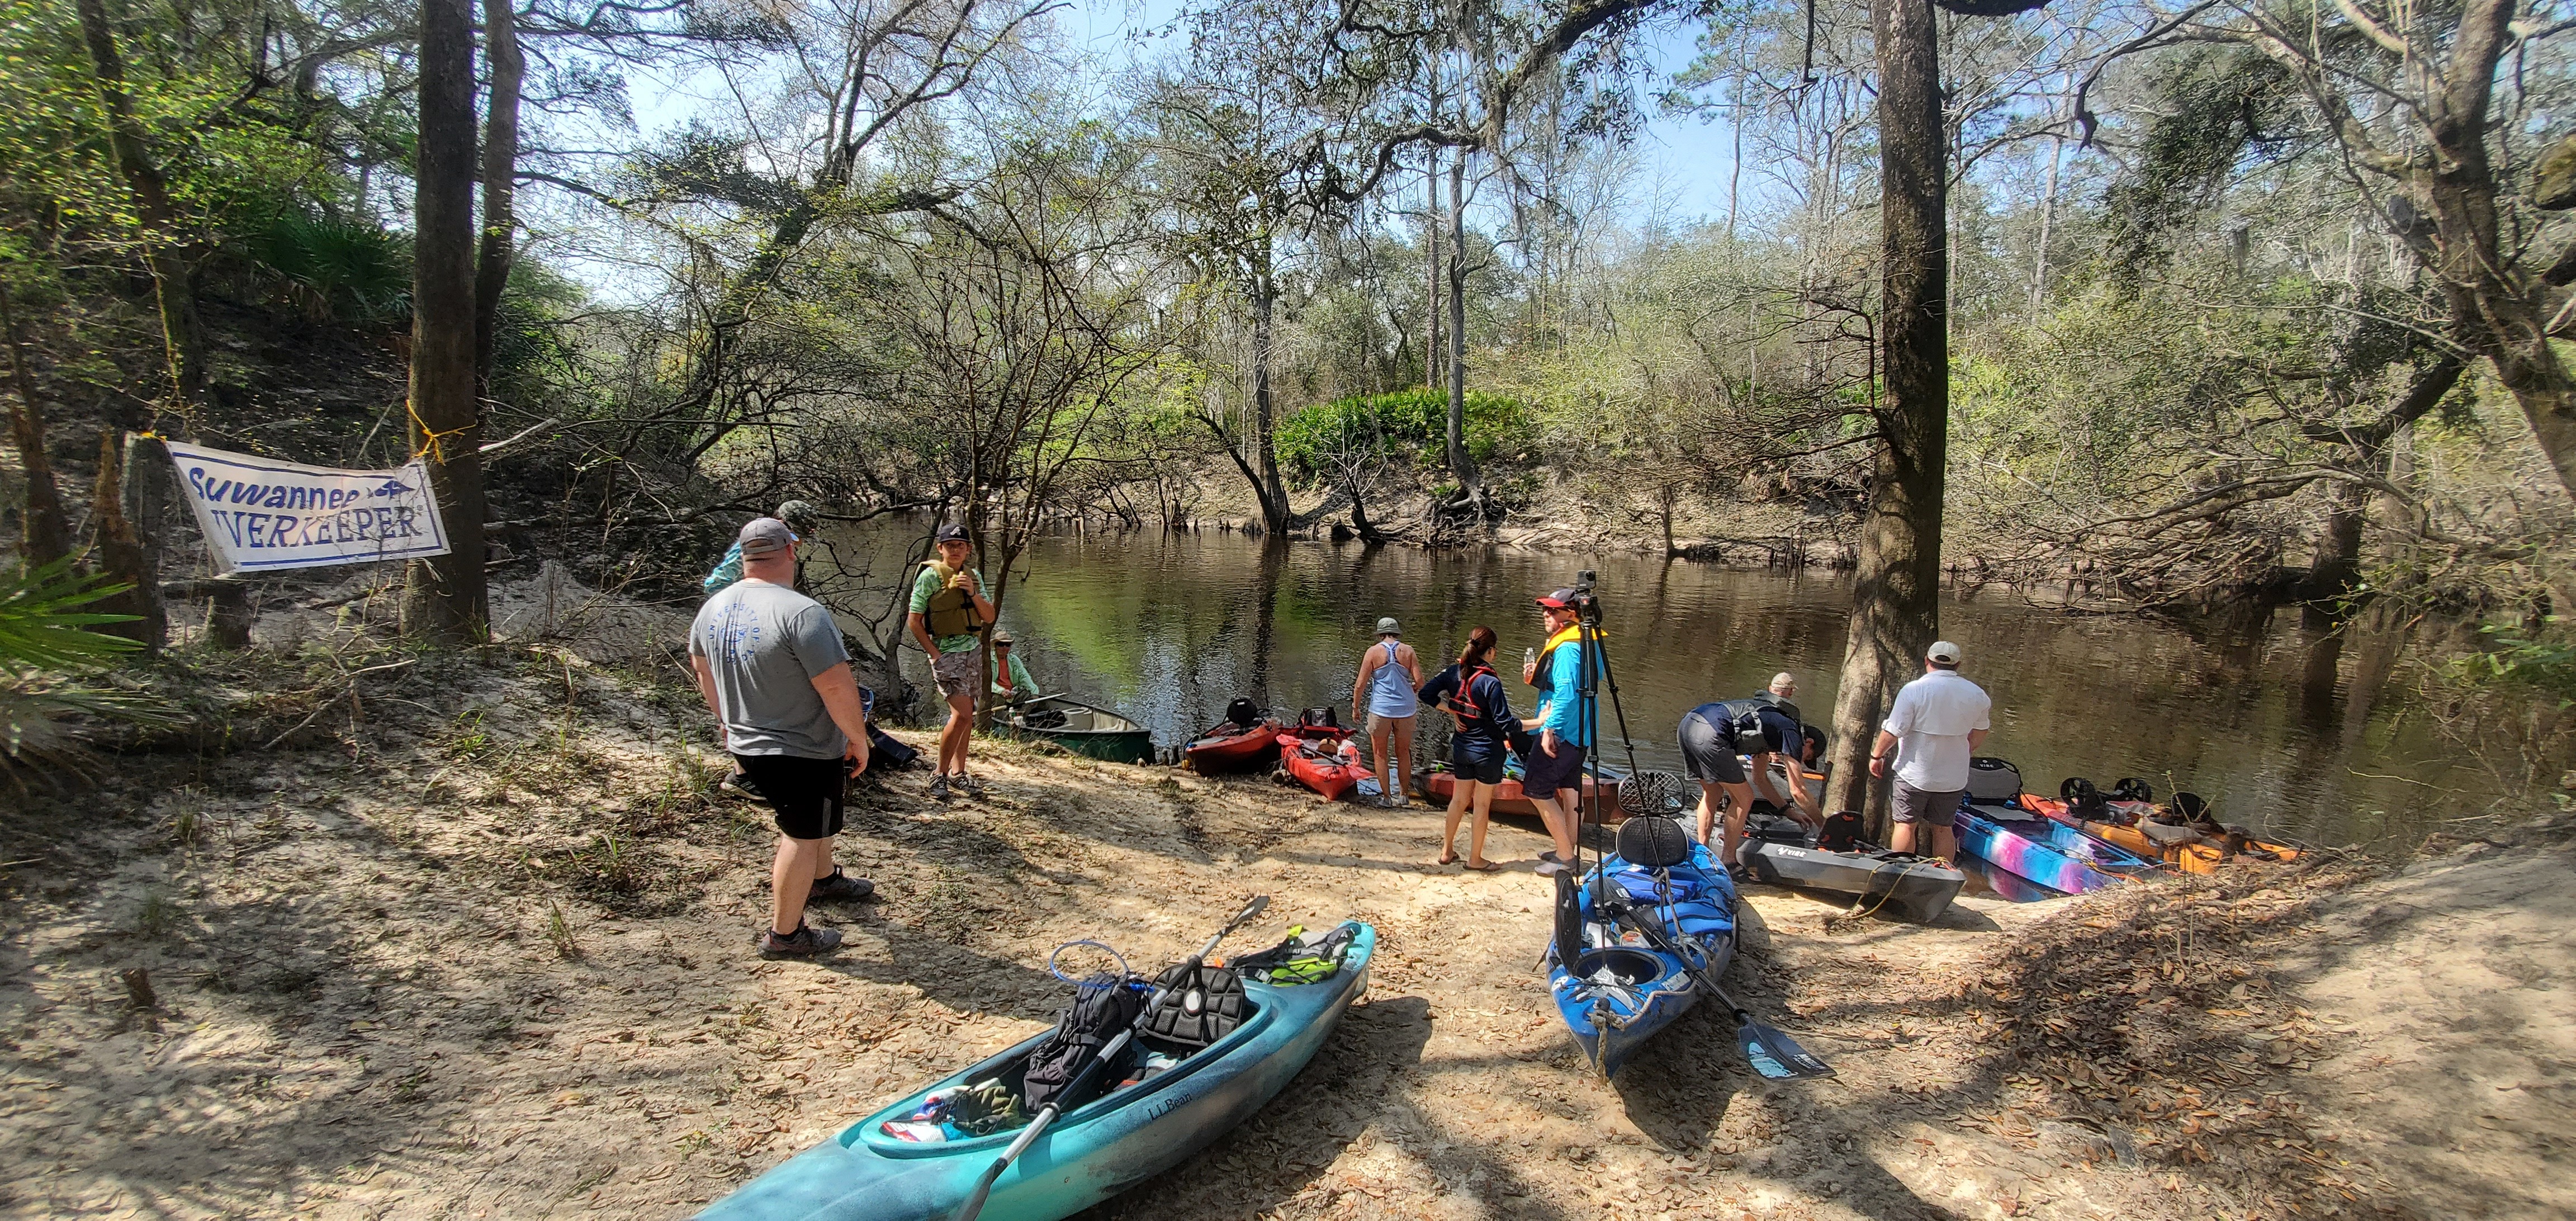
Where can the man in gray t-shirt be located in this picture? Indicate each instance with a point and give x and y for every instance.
(771, 664)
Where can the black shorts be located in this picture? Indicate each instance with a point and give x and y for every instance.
(1708, 755)
(1545, 773)
(806, 793)
(1481, 762)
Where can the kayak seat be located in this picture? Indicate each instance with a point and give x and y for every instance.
(1653, 842)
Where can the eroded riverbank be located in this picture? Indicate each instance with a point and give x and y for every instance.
(479, 946)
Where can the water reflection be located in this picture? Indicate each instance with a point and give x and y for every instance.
(2282, 729)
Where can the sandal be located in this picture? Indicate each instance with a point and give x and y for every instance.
(1487, 867)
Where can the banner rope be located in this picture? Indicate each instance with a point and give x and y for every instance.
(432, 442)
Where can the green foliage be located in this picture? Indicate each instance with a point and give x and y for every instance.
(46, 648)
(1405, 424)
(2542, 662)
(2218, 106)
(337, 269)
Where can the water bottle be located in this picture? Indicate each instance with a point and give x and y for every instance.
(1529, 659)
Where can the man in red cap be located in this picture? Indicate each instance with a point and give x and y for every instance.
(1552, 775)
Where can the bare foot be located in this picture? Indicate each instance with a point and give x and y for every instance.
(1448, 856)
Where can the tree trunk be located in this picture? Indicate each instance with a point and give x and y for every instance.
(1471, 484)
(1896, 591)
(174, 287)
(1272, 492)
(500, 181)
(123, 555)
(443, 596)
(45, 532)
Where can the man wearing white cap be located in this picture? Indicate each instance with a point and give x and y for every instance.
(1937, 724)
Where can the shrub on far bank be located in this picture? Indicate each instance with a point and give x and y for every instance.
(1405, 424)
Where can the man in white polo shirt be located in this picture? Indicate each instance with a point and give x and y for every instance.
(1937, 724)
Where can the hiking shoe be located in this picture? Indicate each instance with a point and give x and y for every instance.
(1550, 856)
(939, 787)
(806, 942)
(841, 887)
(974, 787)
(739, 785)
(1549, 869)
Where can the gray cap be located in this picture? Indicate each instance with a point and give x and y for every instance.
(763, 536)
(1386, 627)
(1943, 651)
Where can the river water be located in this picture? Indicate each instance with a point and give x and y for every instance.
(2280, 733)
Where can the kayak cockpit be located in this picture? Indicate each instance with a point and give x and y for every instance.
(1157, 1065)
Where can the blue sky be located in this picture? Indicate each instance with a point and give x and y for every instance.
(1681, 160)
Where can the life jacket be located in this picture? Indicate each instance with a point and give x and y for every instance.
(1474, 719)
(1545, 679)
(1298, 960)
(1767, 699)
(952, 610)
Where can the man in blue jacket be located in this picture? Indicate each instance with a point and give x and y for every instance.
(1553, 773)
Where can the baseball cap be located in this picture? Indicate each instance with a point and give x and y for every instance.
(952, 533)
(1559, 600)
(801, 516)
(1944, 652)
(1386, 627)
(764, 536)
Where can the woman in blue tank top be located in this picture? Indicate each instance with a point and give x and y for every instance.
(1389, 675)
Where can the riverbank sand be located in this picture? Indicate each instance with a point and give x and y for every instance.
(474, 941)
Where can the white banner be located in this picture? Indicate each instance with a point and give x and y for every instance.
(260, 513)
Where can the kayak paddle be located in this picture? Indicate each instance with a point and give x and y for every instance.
(1771, 1052)
(974, 1204)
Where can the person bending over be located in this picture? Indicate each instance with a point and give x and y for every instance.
(770, 663)
(1730, 747)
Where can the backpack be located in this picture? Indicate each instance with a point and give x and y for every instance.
(1841, 833)
(1196, 1004)
(1103, 1005)
(1992, 781)
(951, 611)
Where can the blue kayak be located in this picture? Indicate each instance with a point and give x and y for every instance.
(1091, 1153)
(1620, 990)
(2030, 849)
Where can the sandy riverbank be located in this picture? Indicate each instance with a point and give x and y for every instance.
(478, 945)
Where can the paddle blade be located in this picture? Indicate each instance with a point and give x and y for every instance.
(974, 1204)
(1776, 1056)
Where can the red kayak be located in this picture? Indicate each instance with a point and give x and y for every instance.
(1329, 765)
(1229, 747)
(1509, 799)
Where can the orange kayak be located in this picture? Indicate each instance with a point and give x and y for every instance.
(2198, 855)
(1510, 799)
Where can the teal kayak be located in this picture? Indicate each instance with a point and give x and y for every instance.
(1093, 1152)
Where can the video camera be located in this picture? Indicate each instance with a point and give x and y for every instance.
(1586, 607)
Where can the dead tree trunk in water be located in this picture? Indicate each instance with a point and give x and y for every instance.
(1896, 591)
(443, 597)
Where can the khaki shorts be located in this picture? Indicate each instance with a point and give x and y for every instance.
(958, 673)
(1911, 804)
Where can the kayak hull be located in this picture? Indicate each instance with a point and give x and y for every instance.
(2029, 855)
(1247, 750)
(1333, 778)
(1088, 1155)
(1117, 740)
(1908, 888)
(1613, 1023)
(1511, 801)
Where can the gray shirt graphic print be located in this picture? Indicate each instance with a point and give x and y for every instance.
(765, 643)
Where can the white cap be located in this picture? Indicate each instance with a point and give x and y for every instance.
(1943, 651)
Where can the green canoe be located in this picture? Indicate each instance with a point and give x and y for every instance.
(1082, 729)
